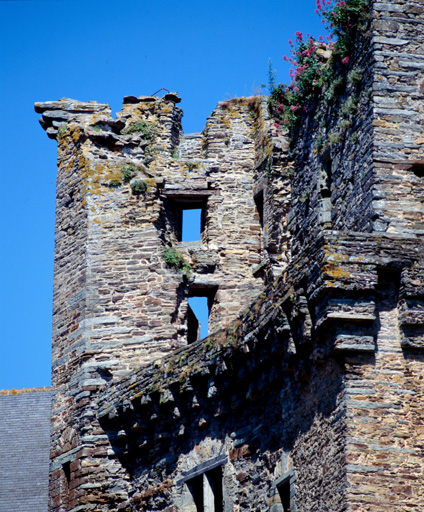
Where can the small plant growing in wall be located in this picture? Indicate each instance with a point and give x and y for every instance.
(192, 165)
(150, 151)
(128, 172)
(319, 144)
(147, 128)
(355, 76)
(114, 183)
(350, 107)
(138, 187)
(62, 129)
(174, 258)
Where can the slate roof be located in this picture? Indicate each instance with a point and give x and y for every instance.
(24, 449)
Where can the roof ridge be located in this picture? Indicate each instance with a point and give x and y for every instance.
(21, 391)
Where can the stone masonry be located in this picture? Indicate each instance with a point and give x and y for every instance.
(307, 394)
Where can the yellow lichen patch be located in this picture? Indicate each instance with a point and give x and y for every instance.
(166, 108)
(75, 132)
(385, 124)
(331, 254)
(229, 115)
(335, 271)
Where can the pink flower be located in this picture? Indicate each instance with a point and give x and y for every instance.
(345, 60)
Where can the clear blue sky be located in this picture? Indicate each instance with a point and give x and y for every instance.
(104, 50)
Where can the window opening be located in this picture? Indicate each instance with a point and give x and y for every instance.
(200, 301)
(191, 229)
(285, 490)
(418, 169)
(198, 307)
(186, 212)
(195, 486)
(325, 206)
(66, 466)
(259, 201)
(325, 184)
(206, 491)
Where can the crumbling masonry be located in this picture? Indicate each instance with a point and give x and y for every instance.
(308, 393)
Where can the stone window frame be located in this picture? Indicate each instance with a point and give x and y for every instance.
(199, 486)
(179, 200)
(284, 488)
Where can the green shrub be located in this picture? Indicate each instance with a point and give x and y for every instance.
(138, 187)
(174, 258)
(319, 144)
(128, 172)
(114, 183)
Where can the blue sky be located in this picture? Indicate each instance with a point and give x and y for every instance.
(103, 51)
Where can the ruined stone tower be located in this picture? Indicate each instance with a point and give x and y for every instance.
(307, 394)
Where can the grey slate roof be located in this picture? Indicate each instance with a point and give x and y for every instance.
(24, 450)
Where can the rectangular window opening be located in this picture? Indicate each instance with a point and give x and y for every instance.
(325, 182)
(200, 301)
(186, 213)
(192, 224)
(66, 469)
(284, 492)
(207, 491)
(198, 318)
(195, 486)
(213, 489)
(66, 466)
(285, 489)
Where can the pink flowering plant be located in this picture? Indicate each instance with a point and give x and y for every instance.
(342, 18)
(315, 62)
(308, 75)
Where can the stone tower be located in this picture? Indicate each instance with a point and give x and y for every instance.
(122, 188)
(307, 393)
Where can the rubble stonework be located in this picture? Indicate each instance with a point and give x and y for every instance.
(306, 394)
